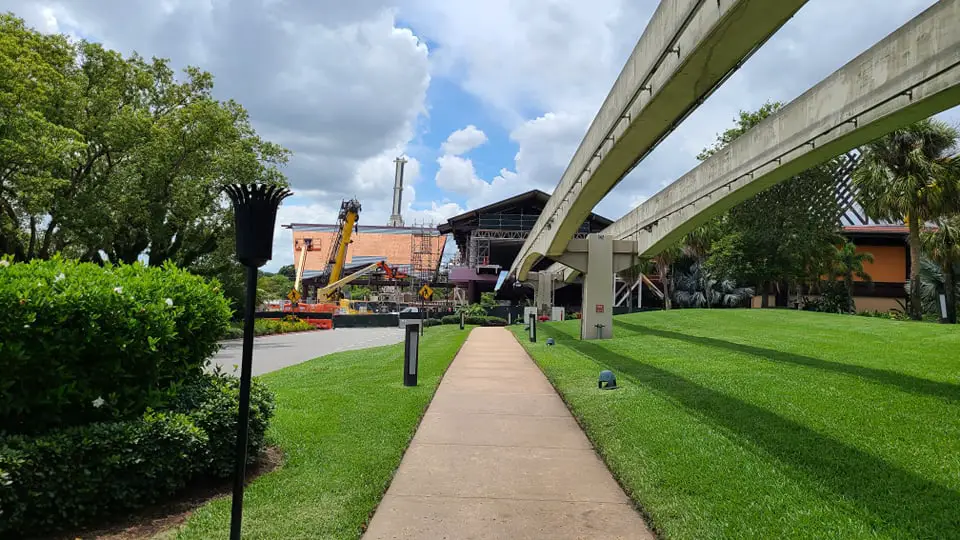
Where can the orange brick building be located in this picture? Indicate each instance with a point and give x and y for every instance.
(398, 246)
(888, 272)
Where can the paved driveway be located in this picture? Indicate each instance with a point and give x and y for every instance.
(271, 353)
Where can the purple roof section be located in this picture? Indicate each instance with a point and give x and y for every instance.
(464, 274)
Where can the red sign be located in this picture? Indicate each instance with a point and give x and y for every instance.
(599, 308)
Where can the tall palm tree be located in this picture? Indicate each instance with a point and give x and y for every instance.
(943, 247)
(848, 265)
(908, 175)
(663, 261)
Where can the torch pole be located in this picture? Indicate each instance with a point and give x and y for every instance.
(246, 368)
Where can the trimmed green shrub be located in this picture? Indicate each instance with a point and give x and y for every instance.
(495, 321)
(266, 327)
(81, 343)
(70, 476)
(432, 322)
(233, 332)
(212, 402)
(450, 319)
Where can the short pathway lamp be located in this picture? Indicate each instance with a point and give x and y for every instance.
(607, 380)
(255, 213)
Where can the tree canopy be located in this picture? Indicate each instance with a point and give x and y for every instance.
(112, 158)
(107, 157)
(780, 234)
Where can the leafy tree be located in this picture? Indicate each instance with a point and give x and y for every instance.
(847, 265)
(909, 175)
(37, 89)
(942, 246)
(274, 286)
(488, 300)
(359, 292)
(779, 234)
(107, 157)
(288, 270)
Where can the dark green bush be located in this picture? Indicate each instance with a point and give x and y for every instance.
(70, 476)
(81, 343)
(266, 327)
(475, 319)
(495, 321)
(212, 402)
(450, 319)
(233, 332)
(432, 322)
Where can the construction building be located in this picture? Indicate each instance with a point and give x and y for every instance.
(489, 238)
(414, 251)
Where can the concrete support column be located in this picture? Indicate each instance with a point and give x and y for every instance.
(598, 289)
(544, 296)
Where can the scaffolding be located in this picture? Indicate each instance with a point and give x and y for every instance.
(423, 243)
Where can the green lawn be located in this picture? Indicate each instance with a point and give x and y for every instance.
(772, 423)
(343, 421)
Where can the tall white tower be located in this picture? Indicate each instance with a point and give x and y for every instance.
(396, 220)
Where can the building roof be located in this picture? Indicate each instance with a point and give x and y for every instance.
(369, 244)
(534, 197)
(876, 229)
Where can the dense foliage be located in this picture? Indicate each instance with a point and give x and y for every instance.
(779, 235)
(265, 327)
(71, 476)
(478, 320)
(82, 343)
(212, 402)
(102, 155)
(912, 176)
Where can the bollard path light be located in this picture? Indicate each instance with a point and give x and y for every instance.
(607, 381)
(254, 213)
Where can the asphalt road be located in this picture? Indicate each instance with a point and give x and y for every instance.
(271, 353)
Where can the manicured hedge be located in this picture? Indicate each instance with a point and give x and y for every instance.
(81, 343)
(265, 327)
(72, 476)
(470, 319)
(212, 403)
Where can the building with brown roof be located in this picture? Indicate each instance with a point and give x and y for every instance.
(413, 250)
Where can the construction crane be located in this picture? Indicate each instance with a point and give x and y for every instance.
(332, 290)
(302, 263)
(346, 224)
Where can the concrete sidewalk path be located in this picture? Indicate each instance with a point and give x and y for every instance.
(498, 455)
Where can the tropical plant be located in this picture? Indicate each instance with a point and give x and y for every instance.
(472, 310)
(932, 284)
(846, 266)
(698, 288)
(663, 261)
(909, 175)
(942, 246)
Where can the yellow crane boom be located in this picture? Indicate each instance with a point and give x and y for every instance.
(334, 288)
(302, 263)
(349, 214)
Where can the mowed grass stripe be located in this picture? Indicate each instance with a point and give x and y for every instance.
(763, 423)
(343, 422)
